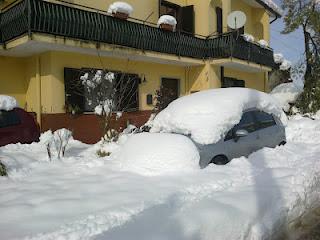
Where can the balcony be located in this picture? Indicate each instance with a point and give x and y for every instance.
(26, 17)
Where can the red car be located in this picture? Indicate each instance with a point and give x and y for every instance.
(18, 126)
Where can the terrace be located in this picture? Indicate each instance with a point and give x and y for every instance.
(71, 21)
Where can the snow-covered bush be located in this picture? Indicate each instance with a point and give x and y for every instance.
(47, 139)
(286, 94)
(167, 20)
(109, 96)
(3, 170)
(7, 103)
(120, 7)
(248, 37)
(61, 139)
(156, 154)
(263, 43)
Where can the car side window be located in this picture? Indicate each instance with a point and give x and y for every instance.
(264, 119)
(247, 122)
(9, 118)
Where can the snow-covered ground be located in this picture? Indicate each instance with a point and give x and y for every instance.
(85, 197)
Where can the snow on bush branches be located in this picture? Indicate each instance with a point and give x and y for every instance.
(59, 139)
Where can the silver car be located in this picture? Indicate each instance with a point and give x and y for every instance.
(256, 130)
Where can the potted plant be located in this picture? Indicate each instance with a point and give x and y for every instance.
(167, 23)
(120, 10)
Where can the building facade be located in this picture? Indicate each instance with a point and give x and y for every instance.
(43, 44)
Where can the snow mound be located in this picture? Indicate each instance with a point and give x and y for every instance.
(208, 115)
(155, 154)
(248, 37)
(122, 7)
(286, 93)
(7, 103)
(278, 58)
(167, 19)
(263, 43)
(285, 65)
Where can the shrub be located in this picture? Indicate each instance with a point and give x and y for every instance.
(3, 170)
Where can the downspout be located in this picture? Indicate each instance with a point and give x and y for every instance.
(38, 80)
(276, 18)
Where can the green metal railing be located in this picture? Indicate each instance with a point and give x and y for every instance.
(38, 16)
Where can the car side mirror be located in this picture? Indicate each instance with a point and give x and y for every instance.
(240, 133)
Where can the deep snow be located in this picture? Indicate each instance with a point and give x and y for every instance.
(85, 197)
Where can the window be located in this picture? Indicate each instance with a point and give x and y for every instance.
(247, 122)
(264, 119)
(126, 87)
(219, 15)
(9, 118)
(184, 15)
(228, 82)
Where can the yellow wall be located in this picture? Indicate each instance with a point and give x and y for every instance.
(252, 80)
(55, 62)
(12, 78)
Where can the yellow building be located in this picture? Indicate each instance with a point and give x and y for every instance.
(44, 43)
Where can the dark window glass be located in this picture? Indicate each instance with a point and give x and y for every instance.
(219, 14)
(264, 119)
(232, 82)
(9, 118)
(247, 122)
(125, 86)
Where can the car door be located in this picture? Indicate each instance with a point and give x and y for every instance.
(269, 133)
(244, 145)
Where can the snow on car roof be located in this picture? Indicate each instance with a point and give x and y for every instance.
(7, 103)
(206, 116)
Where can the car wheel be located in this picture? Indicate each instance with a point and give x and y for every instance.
(282, 143)
(220, 160)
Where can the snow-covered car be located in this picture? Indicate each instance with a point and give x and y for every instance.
(256, 130)
(225, 123)
(16, 125)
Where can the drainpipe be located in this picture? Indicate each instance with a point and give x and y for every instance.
(38, 80)
(276, 18)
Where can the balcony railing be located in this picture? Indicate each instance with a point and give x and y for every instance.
(72, 21)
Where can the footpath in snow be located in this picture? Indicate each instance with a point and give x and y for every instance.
(85, 197)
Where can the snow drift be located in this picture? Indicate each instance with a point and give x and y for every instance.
(7, 103)
(156, 154)
(208, 115)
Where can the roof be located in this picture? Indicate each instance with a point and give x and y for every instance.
(271, 6)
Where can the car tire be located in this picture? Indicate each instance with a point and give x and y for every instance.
(282, 143)
(220, 160)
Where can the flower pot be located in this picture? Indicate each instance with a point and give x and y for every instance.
(120, 15)
(167, 27)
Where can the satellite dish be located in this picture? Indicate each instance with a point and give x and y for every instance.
(237, 19)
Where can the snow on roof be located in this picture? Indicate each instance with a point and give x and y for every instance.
(273, 6)
(208, 115)
(7, 103)
(122, 7)
(159, 153)
(286, 93)
(278, 58)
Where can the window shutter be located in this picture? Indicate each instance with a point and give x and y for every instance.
(74, 90)
(219, 20)
(187, 19)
